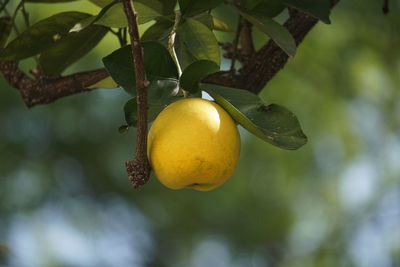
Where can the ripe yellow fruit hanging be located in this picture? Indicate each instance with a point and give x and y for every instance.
(193, 143)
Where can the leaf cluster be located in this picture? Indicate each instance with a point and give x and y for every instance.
(180, 50)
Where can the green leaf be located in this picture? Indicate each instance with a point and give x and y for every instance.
(267, 25)
(318, 8)
(158, 31)
(41, 36)
(115, 17)
(272, 123)
(212, 23)
(158, 64)
(194, 41)
(130, 111)
(205, 19)
(108, 83)
(269, 8)
(168, 6)
(48, 1)
(250, 4)
(195, 72)
(194, 7)
(101, 3)
(92, 19)
(68, 50)
(160, 94)
(219, 25)
(5, 30)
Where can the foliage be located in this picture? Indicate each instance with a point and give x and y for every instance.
(62, 39)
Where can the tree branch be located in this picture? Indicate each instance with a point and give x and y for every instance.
(265, 64)
(246, 42)
(43, 90)
(269, 60)
(139, 168)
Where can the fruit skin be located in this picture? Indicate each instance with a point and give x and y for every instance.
(193, 143)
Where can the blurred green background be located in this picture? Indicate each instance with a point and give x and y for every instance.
(65, 199)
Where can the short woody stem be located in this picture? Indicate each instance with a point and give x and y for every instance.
(138, 169)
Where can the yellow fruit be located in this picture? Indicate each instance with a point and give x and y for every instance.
(193, 143)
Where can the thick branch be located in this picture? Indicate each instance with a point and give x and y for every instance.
(269, 60)
(138, 169)
(246, 42)
(43, 90)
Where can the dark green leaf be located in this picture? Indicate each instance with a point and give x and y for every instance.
(205, 19)
(272, 123)
(317, 8)
(70, 49)
(269, 8)
(115, 17)
(195, 72)
(157, 31)
(48, 1)
(277, 32)
(5, 30)
(92, 19)
(168, 6)
(130, 111)
(101, 3)
(212, 23)
(41, 36)
(157, 60)
(194, 7)
(195, 42)
(160, 94)
(250, 4)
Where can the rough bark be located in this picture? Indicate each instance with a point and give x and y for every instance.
(45, 90)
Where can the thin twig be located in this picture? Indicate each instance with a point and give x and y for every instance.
(124, 36)
(119, 36)
(25, 14)
(121, 40)
(171, 41)
(14, 16)
(171, 47)
(385, 7)
(3, 6)
(235, 43)
(139, 168)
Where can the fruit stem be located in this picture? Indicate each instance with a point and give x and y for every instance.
(171, 49)
(139, 169)
(171, 41)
